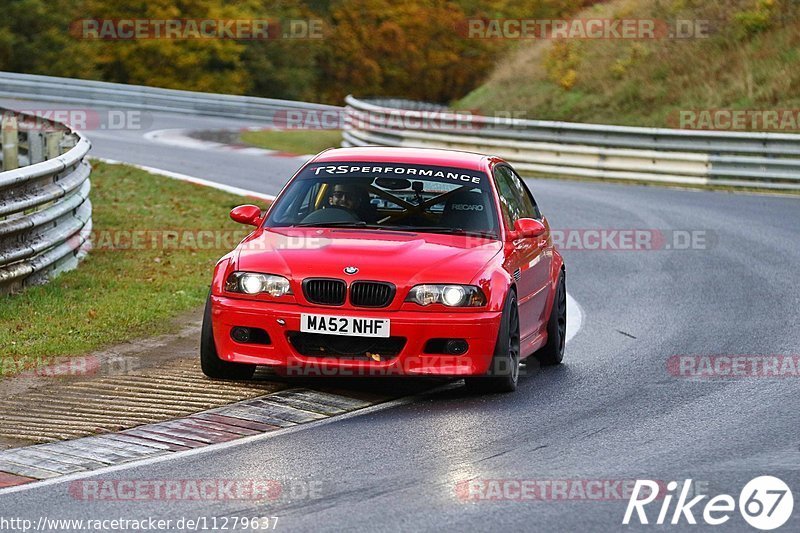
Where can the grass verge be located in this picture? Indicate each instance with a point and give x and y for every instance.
(149, 265)
(299, 142)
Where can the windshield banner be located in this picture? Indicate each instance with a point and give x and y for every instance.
(360, 169)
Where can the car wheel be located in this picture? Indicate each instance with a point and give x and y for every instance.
(211, 364)
(503, 373)
(552, 353)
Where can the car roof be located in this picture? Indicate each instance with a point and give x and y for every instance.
(385, 154)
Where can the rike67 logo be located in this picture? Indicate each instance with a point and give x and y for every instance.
(765, 503)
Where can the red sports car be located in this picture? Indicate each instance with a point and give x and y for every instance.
(391, 261)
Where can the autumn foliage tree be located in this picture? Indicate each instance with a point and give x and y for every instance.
(410, 49)
(213, 65)
(34, 38)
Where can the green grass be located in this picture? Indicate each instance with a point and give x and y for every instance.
(121, 294)
(750, 61)
(299, 142)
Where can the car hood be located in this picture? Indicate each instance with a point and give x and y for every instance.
(398, 257)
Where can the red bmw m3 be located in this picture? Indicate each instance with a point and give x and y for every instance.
(391, 261)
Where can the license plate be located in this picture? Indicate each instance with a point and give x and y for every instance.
(344, 325)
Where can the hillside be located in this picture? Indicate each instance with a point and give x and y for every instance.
(749, 60)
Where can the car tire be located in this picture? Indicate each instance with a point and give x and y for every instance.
(210, 363)
(503, 373)
(552, 353)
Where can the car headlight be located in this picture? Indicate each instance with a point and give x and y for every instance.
(449, 295)
(255, 283)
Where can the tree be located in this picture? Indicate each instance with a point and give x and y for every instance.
(34, 38)
(410, 49)
(205, 64)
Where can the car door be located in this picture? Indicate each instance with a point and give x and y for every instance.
(529, 260)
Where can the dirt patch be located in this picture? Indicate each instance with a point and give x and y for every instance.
(134, 383)
(145, 381)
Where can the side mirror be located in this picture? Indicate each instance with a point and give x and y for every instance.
(246, 214)
(527, 228)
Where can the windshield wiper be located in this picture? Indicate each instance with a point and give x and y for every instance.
(421, 229)
(450, 231)
(349, 223)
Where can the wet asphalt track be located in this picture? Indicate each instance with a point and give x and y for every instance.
(613, 411)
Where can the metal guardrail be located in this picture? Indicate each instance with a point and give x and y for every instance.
(536, 147)
(118, 95)
(45, 211)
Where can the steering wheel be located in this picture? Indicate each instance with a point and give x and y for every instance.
(331, 213)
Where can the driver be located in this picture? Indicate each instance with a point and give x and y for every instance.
(355, 198)
(348, 196)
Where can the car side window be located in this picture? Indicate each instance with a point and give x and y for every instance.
(505, 191)
(524, 194)
(515, 199)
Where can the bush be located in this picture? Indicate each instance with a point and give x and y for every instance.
(754, 21)
(561, 63)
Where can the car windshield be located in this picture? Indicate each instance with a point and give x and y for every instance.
(390, 196)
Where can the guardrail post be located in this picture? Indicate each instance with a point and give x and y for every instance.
(10, 142)
(67, 143)
(52, 143)
(36, 147)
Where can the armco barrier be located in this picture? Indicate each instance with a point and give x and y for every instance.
(536, 147)
(45, 211)
(122, 96)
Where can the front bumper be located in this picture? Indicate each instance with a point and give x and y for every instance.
(479, 329)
